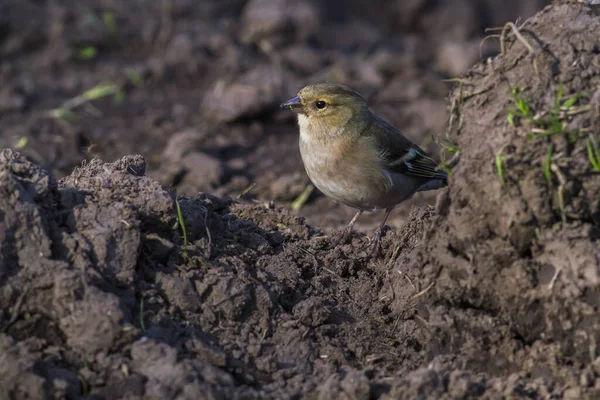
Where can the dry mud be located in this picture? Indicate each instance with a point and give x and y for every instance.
(491, 293)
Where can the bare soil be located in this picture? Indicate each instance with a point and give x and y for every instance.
(493, 292)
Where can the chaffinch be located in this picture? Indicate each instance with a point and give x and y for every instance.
(355, 157)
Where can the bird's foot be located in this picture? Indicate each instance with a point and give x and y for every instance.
(376, 243)
(344, 235)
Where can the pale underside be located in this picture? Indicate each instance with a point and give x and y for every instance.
(353, 176)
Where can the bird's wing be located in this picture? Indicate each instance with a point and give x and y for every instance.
(400, 155)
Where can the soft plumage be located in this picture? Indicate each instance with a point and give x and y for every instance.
(356, 157)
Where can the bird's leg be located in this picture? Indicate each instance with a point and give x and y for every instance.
(376, 241)
(348, 229)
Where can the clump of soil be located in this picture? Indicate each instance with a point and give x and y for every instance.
(101, 297)
(513, 257)
(494, 292)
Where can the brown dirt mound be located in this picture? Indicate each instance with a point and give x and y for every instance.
(101, 298)
(513, 257)
(494, 292)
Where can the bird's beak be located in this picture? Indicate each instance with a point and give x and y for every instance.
(293, 103)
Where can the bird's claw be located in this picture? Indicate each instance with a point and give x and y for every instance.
(376, 243)
(344, 235)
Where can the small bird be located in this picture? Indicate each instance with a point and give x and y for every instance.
(355, 157)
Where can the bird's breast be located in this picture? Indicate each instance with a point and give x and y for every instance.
(341, 173)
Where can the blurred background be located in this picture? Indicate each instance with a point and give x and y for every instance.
(194, 85)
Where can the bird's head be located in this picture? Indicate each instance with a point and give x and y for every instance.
(329, 109)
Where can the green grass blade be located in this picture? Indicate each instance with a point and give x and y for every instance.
(500, 169)
(593, 154)
(182, 226)
(97, 92)
(547, 164)
(302, 198)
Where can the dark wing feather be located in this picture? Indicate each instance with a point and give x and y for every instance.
(401, 155)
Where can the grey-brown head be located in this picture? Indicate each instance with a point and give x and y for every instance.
(328, 108)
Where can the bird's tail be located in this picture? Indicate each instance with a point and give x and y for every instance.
(438, 181)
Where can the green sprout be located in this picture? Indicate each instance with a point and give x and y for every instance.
(86, 387)
(547, 164)
(134, 77)
(183, 230)
(302, 198)
(500, 168)
(142, 324)
(97, 92)
(86, 53)
(22, 143)
(245, 191)
(500, 165)
(593, 153)
(451, 148)
(554, 121)
(521, 109)
(110, 22)
(555, 124)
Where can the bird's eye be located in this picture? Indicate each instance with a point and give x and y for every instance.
(320, 104)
